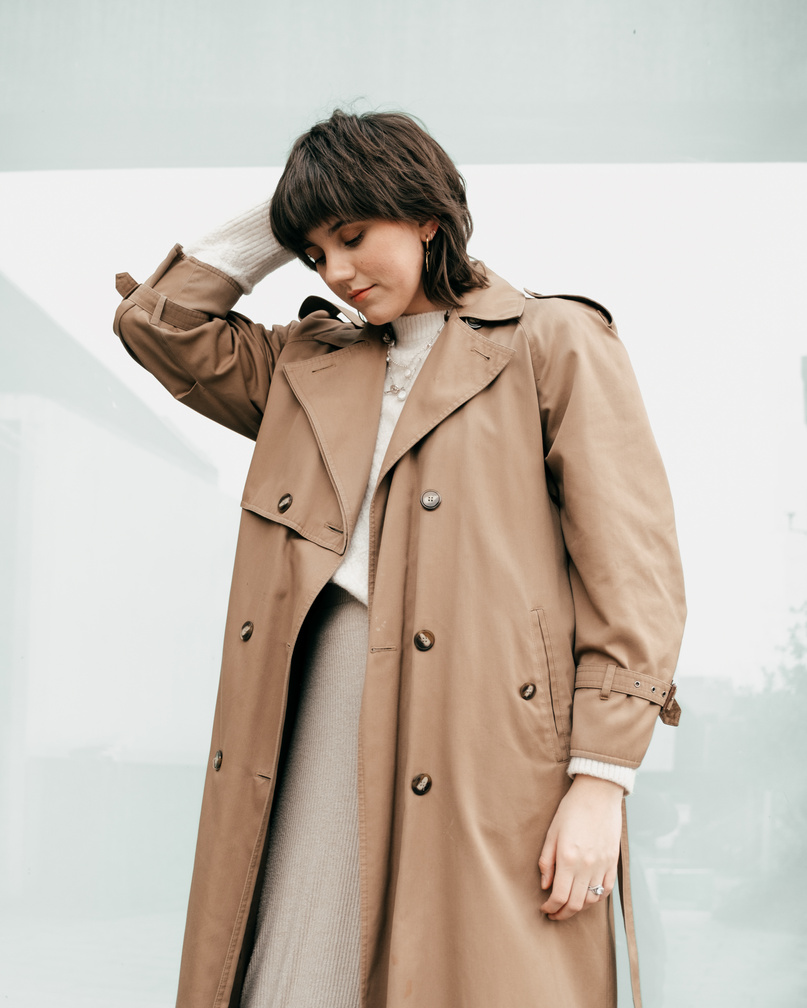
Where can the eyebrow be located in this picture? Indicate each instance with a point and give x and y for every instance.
(331, 230)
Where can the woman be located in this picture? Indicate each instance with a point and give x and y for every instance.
(456, 605)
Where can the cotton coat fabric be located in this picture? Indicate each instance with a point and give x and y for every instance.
(547, 582)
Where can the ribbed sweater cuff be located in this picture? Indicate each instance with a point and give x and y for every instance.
(607, 771)
(244, 248)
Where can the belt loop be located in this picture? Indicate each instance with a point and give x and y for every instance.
(607, 682)
(157, 314)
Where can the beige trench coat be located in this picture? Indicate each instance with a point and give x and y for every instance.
(547, 582)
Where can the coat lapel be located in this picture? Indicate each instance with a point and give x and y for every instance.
(461, 363)
(341, 395)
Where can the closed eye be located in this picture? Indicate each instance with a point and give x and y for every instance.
(317, 256)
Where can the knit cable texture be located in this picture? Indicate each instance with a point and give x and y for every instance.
(244, 248)
(608, 771)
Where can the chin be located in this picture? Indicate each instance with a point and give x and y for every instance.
(379, 318)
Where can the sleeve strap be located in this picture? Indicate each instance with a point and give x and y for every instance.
(612, 679)
(158, 306)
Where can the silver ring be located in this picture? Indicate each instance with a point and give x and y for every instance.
(598, 890)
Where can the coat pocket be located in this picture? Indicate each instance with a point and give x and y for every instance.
(559, 699)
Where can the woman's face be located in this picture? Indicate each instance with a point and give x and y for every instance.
(376, 265)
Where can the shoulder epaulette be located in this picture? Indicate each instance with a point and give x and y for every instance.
(576, 297)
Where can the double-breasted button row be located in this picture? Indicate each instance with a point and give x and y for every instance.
(424, 641)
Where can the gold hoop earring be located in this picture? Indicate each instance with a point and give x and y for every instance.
(427, 256)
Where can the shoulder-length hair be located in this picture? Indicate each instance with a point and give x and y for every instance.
(379, 165)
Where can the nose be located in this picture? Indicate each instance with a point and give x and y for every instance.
(338, 268)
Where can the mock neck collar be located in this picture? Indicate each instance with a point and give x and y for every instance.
(414, 330)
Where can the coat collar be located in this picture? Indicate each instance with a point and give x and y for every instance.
(499, 302)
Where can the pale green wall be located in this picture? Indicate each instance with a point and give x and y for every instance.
(105, 83)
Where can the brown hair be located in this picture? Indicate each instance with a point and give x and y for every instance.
(378, 165)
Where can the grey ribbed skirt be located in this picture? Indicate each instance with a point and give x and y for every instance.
(306, 952)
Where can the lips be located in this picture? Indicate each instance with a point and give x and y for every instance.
(358, 295)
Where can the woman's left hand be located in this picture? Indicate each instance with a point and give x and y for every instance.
(582, 846)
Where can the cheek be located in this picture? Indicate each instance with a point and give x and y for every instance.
(409, 267)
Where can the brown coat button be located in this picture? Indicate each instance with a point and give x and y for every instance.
(246, 630)
(424, 639)
(421, 784)
(217, 760)
(284, 503)
(527, 691)
(430, 499)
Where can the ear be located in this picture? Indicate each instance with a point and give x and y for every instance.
(428, 229)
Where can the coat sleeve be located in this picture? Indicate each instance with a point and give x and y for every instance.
(180, 326)
(617, 519)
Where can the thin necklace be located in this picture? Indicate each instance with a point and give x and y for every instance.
(410, 369)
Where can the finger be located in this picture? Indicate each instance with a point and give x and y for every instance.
(590, 899)
(574, 904)
(546, 863)
(561, 891)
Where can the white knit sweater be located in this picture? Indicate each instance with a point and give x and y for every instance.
(246, 250)
(412, 333)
